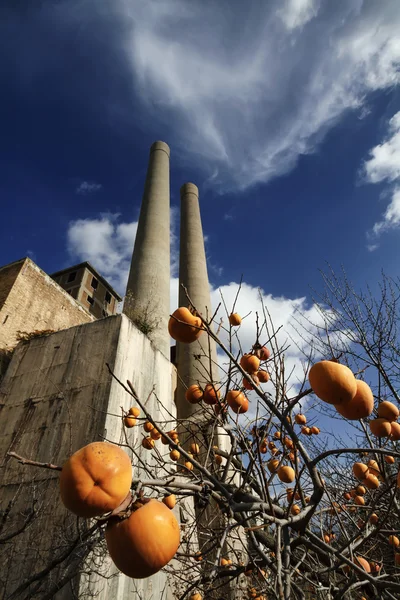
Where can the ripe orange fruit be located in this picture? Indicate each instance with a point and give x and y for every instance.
(300, 419)
(363, 563)
(360, 406)
(194, 394)
(148, 443)
(194, 448)
(371, 482)
(263, 376)
(374, 519)
(262, 352)
(380, 427)
(250, 363)
(235, 319)
(145, 542)
(286, 474)
(155, 434)
(388, 410)
(211, 394)
(169, 501)
(273, 465)
(174, 455)
(237, 401)
(129, 421)
(184, 327)
(395, 431)
(95, 479)
(247, 385)
(332, 382)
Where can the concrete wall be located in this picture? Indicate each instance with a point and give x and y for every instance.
(34, 301)
(57, 396)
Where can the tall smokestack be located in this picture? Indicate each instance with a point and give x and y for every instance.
(193, 275)
(147, 300)
(193, 360)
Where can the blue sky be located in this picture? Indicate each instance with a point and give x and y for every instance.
(286, 114)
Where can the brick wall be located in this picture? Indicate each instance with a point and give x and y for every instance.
(34, 302)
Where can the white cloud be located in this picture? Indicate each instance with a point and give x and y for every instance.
(384, 161)
(296, 13)
(239, 89)
(106, 244)
(282, 311)
(252, 89)
(88, 187)
(384, 166)
(391, 216)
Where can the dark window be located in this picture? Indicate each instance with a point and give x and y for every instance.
(94, 283)
(71, 277)
(108, 297)
(90, 299)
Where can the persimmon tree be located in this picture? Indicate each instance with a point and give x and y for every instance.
(300, 500)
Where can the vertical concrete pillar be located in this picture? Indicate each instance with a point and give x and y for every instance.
(193, 360)
(147, 301)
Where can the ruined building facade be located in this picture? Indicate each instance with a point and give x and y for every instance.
(84, 283)
(58, 394)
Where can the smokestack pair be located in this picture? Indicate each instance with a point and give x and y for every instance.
(147, 300)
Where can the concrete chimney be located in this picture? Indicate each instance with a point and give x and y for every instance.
(193, 275)
(147, 301)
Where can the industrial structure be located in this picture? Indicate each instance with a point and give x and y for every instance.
(84, 283)
(57, 393)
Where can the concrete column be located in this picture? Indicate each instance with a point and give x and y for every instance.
(147, 301)
(193, 275)
(193, 360)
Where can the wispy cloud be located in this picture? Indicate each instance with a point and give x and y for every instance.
(240, 89)
(383, 166)
(253, 89)
(31, 255)
(296, 13)
(88, 187)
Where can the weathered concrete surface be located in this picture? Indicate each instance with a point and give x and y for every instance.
(148, 288)
(57, 396)
(196, 362)
(30, 300)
